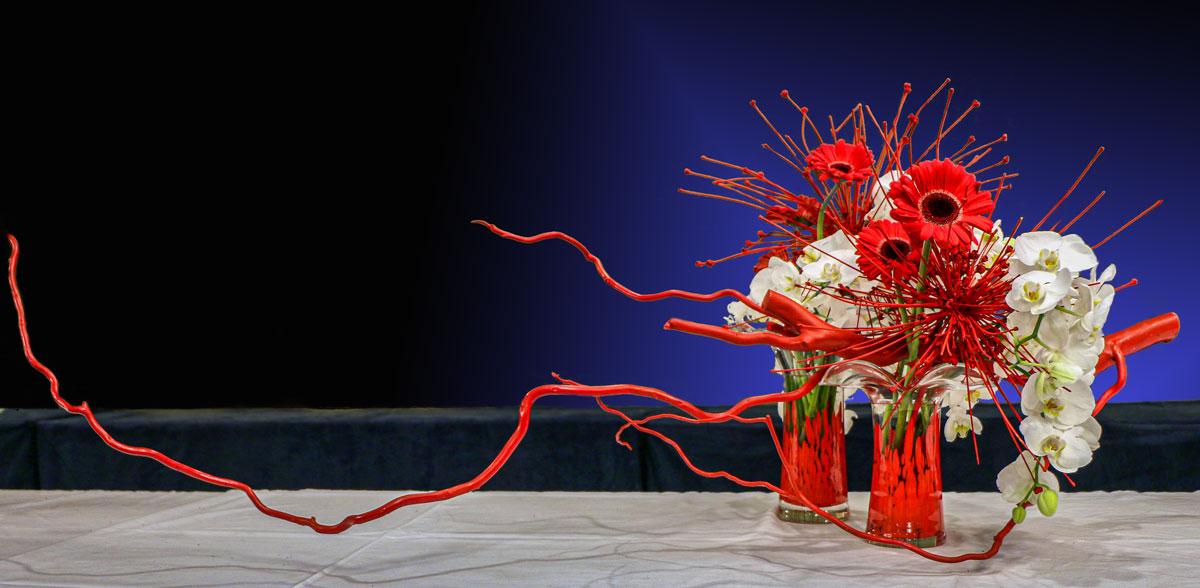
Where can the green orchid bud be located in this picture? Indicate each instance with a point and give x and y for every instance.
(1047, 502)
(1018, 514)
(1064, 372)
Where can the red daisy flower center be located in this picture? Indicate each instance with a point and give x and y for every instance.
(894, 249)
(841, 166)
(841, 162)
(940, 207)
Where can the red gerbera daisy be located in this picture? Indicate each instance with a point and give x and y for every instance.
(843, 161)
(765, 259)
(941, 200)
(804, 214)
(885, 249)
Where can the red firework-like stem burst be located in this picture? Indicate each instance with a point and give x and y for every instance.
(964, 310)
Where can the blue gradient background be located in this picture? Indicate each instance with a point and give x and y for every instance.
(274, 210)
(582, 117)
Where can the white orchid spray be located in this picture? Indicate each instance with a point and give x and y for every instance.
(1057, 337)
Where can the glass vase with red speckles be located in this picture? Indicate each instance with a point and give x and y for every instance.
(906, 473)
(813, 448)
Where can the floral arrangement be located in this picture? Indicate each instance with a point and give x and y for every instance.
(902, 249)
(891, 275)
(916, 262)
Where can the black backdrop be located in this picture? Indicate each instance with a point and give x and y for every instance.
(230, 213)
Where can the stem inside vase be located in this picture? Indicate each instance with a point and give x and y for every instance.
(906, 476)
(814, 449)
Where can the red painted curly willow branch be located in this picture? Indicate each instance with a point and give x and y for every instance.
(475, 483)
(1136, 341)
(615, 285)
(1160, 329)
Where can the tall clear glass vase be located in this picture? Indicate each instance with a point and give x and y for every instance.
(814, 449)
(906, 475)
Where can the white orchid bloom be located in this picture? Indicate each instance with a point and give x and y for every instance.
(963, 396)
(1056, 325)
(1050, 251)
(847, 314)
(1063, 356)
(1056, 332)
(779, 275)
(831, 261)
(984, 237)
(1094, 307)
(882, 207)
(1064, 406)
(1022, 324)
(992, 244)
(1068, 358)
(838, 313)
(1101, 304)
(1087, 337)
(1061, 369)
(830, 271)
(1017, 479)
(740, 316)
(1038, 292)
(1106, 276)
(1091, 433)
(960, 423)
(835, 242)
(1068, 449)
(1063, 332)
(1077, 303)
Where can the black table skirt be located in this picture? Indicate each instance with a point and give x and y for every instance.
(1145, 446)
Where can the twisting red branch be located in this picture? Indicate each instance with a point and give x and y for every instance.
(417, 498)
(1160, 329)
(726, 293)
(640, 425)
(1122, 376)
(479, 480)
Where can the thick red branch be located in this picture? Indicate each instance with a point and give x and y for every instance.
(1130, 340)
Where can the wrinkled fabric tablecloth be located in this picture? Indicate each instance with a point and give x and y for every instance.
(97, 538)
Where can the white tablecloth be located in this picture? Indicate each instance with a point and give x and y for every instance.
(573, 539)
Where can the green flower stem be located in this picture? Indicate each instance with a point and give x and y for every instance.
(821, 398)
(821, 212)
(896, 421)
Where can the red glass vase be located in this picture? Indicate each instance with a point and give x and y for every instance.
(906, 476)
(814, 462)
(906, 473)
(814, 454)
